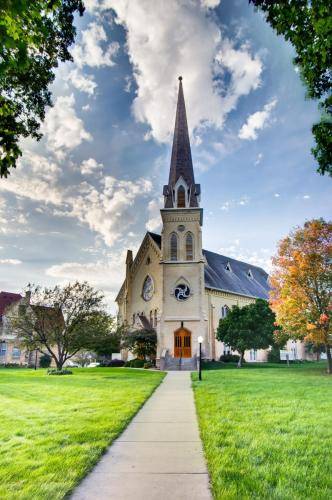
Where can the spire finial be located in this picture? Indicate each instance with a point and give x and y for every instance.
(180, 78)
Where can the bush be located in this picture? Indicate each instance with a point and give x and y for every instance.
(230, 358)
(148, 365)
(274, 355)
(12, 365)
(55, 371)
(113, 362)
(45, 361)
(135, 363)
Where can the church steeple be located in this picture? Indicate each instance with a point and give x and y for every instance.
(181, 190)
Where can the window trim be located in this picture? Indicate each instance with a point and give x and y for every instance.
(190, 235)
(173, 247)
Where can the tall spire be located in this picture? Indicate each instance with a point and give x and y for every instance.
(181, 162)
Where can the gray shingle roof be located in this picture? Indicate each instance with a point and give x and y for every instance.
(236, 280)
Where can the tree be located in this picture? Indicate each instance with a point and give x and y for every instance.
(307, 25)
(34, 37)
(301, 283)
(105, 345)
(61, 321)
(142, 343)
(248, 327)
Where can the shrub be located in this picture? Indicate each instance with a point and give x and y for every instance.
(135, 363)
(112, 362)
(55, 371)
(45, 361)
(274, 355)
(12, 365)
(230, 358)
(148, 365)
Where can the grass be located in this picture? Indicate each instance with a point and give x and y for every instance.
(54, 429)
(267, 430)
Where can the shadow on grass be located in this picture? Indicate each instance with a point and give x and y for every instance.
(298, 365)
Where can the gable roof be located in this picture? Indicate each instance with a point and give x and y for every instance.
(236, 280)
(156, 238)
(6, 299)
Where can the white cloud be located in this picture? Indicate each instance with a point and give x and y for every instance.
(90, 51)
(107, 208)
(90, 166)
(257, 121)
(84, 83)
(86, 107)
(35, 178)
(154, 222)
(227, 205)
(210, 4)
(161, 48)
(260, 257)
(63, 129)
(276, 195)
(259, 159)
(107, 211)
(11, 262)
(245, 72)
(306, 197)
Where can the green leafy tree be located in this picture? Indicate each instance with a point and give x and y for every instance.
(60, 321)
(307, 25)
(142, 343)
(248, 327)
(108, 343)
(34, 38)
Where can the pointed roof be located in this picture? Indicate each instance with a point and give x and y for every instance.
(181, 161)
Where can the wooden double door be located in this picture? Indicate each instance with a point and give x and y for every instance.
(182, 343)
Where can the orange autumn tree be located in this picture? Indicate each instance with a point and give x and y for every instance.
(301, 281)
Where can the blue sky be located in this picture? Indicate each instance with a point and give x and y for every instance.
(92, 187)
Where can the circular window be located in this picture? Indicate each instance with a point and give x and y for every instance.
(182, 292)
(148, 288)
(181, 228)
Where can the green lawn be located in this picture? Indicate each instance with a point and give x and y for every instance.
(267, 431)
(53, 429)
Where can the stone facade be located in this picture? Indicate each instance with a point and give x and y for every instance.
(176, 287)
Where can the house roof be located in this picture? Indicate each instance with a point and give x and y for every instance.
(231, 275)
(6, 299)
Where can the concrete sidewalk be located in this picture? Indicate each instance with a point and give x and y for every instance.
(159, 456)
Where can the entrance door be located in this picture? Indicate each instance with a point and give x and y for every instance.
(182, 343)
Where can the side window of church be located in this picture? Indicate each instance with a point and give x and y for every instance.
(224, 311)
(189, 247)
(174, 247)
(181, 197)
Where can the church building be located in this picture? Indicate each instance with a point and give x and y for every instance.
(175, 286)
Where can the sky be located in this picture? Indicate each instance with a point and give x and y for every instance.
(92, 186)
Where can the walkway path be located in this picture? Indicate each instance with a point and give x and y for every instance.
(159, 456)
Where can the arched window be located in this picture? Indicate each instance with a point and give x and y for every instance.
(181, 197)
(189, 247)
(155, 317)
(224, 311)
(174, 247)
(151, 319)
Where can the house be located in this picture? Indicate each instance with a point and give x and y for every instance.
(10, 349)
